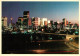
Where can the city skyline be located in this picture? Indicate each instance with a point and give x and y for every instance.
(52, 10)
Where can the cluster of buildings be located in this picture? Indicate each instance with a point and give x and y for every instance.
(26, 22)
(33, 22)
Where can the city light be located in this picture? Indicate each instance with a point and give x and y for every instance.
(42, 29)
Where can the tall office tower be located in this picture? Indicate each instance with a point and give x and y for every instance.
(44, 22)
(20, 21)
(49, 24)
(64, 21)
(67, 22)
(26, 18)
(4, 21)
(29, 22)
(35, 21)
(26, 14)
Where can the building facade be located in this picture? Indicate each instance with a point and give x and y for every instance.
(4, 21)
(24, 21)
(64, 21)
(26, 18)
(44, 22)
(29, 22)
(26, 14)
(35, 21)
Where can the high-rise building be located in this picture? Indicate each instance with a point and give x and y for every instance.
(35, 21)
(4, 21)
(70, 25)
(76, 26)
(26, 18)
(49, 23)
(26, 14)
(67, 22)
(29, 22)
(44, 21)
(64, 21)
(25, 21)
(20, 21)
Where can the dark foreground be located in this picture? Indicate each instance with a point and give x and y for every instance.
(27, 44)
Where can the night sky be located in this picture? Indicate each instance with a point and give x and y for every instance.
(52, 10)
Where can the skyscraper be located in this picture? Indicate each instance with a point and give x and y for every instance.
(20, 21)
(44, 22)
(4, 21)
(26, 18)
(64, 21)
(26, 14)
(24, 21)
(36, 21)
(29, 22)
